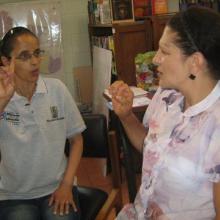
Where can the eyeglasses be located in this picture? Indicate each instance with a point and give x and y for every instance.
(25, 55)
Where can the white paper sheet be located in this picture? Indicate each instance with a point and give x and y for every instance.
(137, 92)
(102, 63)
(137, 102)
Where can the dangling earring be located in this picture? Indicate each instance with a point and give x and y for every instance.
(192, 77)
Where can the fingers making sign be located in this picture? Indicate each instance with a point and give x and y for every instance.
(7, 86)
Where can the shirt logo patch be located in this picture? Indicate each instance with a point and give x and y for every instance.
(54, 111)
(11, 117)
(54, 114)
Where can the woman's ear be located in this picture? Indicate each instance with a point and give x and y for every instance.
(198, 63)
(5, 61)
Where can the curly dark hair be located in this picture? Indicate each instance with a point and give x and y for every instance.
(198, 29)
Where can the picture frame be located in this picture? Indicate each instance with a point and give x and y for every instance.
(122, 11)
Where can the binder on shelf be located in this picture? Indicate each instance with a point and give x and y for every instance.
(99, 12)
(105, 12)
(106, 42)
(183, 5)
(142, 8)
(159, 7)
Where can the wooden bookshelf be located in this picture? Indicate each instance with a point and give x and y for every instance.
(131, 38)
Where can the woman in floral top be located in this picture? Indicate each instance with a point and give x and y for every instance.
(180, 134)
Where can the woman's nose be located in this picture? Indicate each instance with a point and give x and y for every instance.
(157, 60)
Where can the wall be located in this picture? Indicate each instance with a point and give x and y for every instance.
(75, 36)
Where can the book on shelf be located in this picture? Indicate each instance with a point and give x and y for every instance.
(142, 8)
(108, 11)
(99, 12)
(215, 5)
(159, 7)
(105, 12)
(106, 42)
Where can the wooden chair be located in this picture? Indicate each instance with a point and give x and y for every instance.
(132, 159)
(96, 204)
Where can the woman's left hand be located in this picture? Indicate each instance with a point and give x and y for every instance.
(62, 199)
(154, 211)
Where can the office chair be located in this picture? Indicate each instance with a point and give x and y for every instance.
(96, 204)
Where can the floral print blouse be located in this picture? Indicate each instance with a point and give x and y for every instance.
(181, 159)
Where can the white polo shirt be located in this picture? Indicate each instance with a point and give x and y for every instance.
(32, 140)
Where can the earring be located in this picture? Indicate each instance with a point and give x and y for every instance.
(192, 77)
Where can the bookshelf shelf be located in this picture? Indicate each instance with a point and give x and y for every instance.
(100, 25)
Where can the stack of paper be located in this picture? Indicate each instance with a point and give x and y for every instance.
(137, 92)
(140, 97)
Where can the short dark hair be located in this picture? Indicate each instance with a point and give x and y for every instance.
(8, 41)
(198, 29)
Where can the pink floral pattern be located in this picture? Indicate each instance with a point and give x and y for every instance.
(181, 159)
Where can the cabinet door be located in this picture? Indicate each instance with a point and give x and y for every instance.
(131, 39)
(158, 25)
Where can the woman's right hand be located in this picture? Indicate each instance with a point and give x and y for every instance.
(122, 99)
(7, 86)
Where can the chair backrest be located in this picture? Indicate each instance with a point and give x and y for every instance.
(132, 159)
(100, 143)
(96, 143)
(95, 137)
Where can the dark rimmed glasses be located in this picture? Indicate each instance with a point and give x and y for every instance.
(26, 56)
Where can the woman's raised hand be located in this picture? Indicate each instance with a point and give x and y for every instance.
(122, 98)
(7, 86)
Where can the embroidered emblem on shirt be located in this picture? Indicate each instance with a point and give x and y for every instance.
(12, 117)
(54, 114)
(54, 111)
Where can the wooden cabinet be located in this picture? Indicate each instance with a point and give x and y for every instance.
(158, 23)
(131, 39)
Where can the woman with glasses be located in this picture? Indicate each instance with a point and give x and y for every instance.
(180, 134)
(37, 115)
